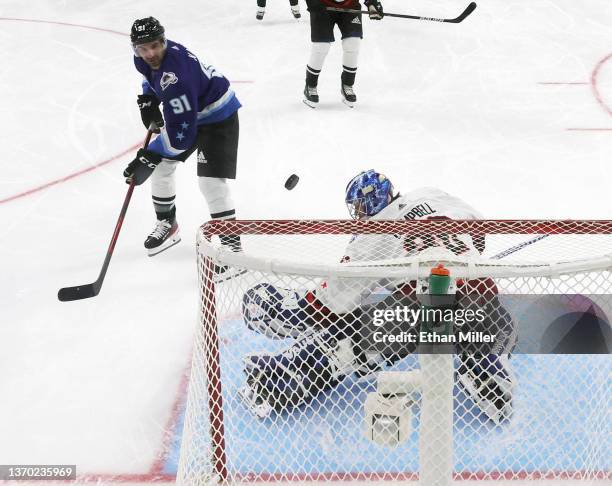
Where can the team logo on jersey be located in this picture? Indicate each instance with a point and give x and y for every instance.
(356, 21)
(167, 79)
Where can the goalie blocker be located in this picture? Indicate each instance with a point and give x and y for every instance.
(327, 349)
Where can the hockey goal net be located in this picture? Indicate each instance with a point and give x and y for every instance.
(312, 422)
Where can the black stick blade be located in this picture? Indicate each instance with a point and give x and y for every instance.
(77, 293)
(468, 10)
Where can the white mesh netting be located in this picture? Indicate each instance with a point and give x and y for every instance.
(280, 377)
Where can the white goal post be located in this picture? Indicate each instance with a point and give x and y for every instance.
(555, 420)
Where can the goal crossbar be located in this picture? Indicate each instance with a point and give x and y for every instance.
(408, 267)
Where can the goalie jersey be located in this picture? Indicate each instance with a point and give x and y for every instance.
(343, 295)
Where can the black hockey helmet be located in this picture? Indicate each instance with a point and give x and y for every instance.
(146, 30)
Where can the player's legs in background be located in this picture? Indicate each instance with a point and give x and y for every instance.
(163, 191)
(217, 160)
(295, 8)
(350, 54)
(318, 53)
(352, 33)
(321, 35)
(261, 9)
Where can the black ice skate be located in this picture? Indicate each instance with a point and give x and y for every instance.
(349, 98)
(260, 14)
(311, 97)
(295, 10)
(164, 235)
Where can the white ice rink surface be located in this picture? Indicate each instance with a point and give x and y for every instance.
(510, 110)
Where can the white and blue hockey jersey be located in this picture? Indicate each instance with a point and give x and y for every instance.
(343, 295)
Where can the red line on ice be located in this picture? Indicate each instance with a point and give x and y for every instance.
(589, 129)
(67, 24)
(559, 83)
(68, 177)
(122, 478)
(387, 477)
(594, 89)
(594, 86)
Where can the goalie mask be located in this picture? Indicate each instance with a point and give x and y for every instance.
(367, 194)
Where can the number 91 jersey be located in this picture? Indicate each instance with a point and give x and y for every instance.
(344, 295)
(192, 94)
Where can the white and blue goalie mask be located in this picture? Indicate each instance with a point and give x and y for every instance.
(367, 194)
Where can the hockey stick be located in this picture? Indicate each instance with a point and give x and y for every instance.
(518, 247)
(468, 10)
(91, 290)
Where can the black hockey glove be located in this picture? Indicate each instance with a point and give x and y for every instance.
(375, 9)
(149, 112)
(141, 167)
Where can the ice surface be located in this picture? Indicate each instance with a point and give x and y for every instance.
(509, 110)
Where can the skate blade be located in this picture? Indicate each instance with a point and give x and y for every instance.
(348, 103)
(310, 104)
(261, 410)
(169, 243)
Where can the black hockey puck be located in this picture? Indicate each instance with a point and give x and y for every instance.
(291, 181)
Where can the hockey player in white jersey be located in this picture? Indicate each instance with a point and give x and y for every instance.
(325, 323)
(370, 195)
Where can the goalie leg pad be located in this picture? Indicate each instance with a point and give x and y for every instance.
(498, 321)
(313, 364)
(274, 312)
(488, 380)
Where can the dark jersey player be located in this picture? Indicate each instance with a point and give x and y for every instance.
(200, 112)
(322, 22)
